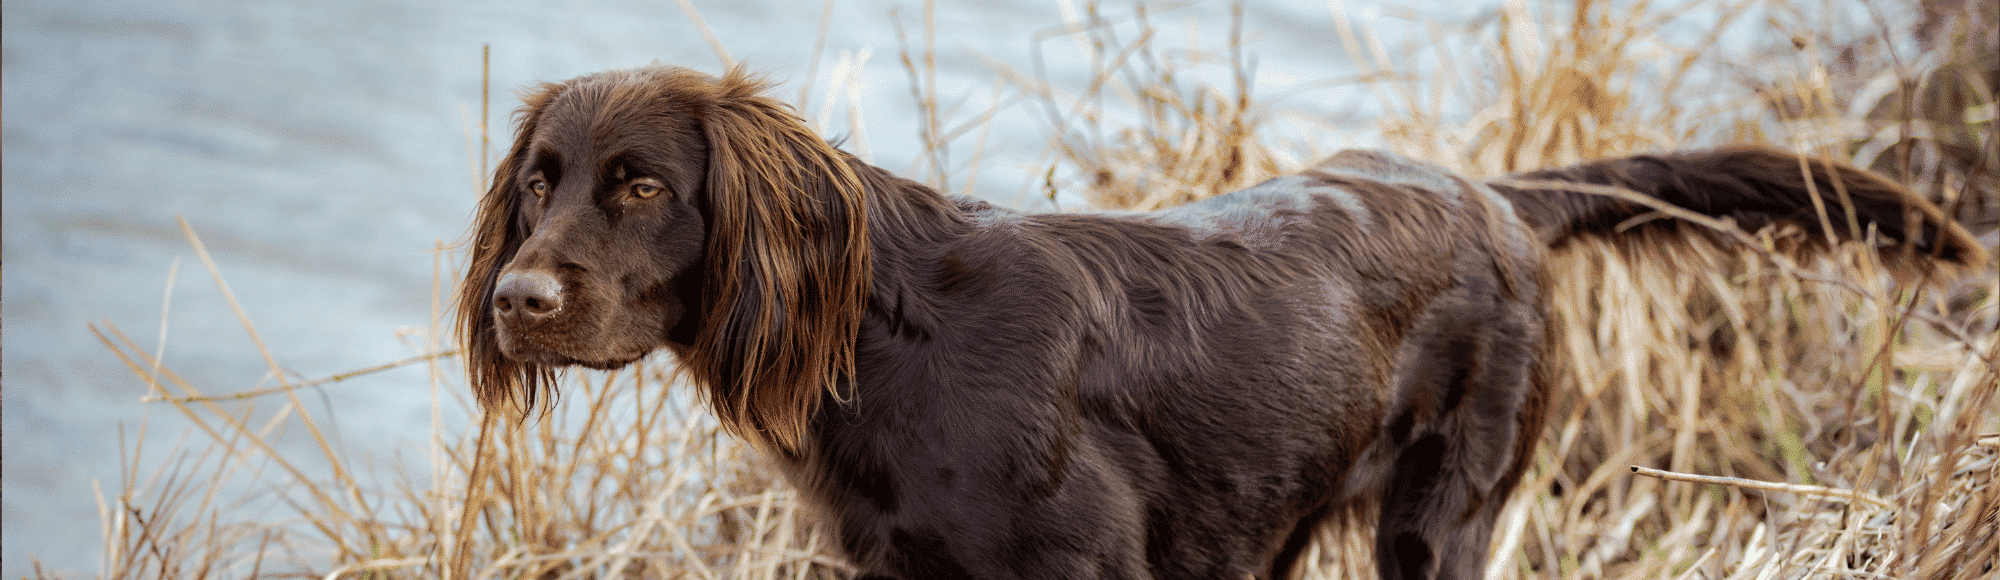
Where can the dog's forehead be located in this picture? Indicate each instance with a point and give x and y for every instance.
(614, 106)
(636, 91)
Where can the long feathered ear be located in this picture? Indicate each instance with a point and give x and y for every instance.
(496, 235)
(788, 266)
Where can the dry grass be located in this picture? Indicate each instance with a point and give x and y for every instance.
(1190, 139)
(1868, 395)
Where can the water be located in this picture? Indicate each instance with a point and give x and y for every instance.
(321, 149)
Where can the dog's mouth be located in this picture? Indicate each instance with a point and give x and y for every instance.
(604, 344)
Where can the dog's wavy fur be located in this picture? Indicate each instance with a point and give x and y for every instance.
(969, 392)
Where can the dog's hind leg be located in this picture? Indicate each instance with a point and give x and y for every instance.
(1463, 427)
(1432, 526)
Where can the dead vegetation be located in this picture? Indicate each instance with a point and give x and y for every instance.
(1845, 415)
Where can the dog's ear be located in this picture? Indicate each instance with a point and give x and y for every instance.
(496, 234)
(788, 265)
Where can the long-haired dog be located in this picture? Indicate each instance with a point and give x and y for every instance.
(966, 391)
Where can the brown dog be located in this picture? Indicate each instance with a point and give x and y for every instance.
(971, 392)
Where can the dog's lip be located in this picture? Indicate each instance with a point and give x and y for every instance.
(530, 349)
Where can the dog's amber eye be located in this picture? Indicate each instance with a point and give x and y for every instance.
(539, 188)
(646, 187)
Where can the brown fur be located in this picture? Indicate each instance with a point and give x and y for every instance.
(1753, 185)
(971, 392)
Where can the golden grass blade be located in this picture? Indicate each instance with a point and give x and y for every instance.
(700, 25)
(278, 372)
(1812, 490)
(334, 378)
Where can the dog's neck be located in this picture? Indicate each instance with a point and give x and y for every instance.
(908, 224)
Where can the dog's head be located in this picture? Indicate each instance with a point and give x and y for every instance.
(663, 208)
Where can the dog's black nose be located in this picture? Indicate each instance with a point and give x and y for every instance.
(528, 295)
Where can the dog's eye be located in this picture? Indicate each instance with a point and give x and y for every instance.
(538, 187)
(646, 187)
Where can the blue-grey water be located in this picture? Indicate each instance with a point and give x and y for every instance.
(321, 149)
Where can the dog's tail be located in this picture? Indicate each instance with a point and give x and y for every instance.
(1754, 186)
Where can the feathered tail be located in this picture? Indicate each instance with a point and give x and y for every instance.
(1754, 186)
